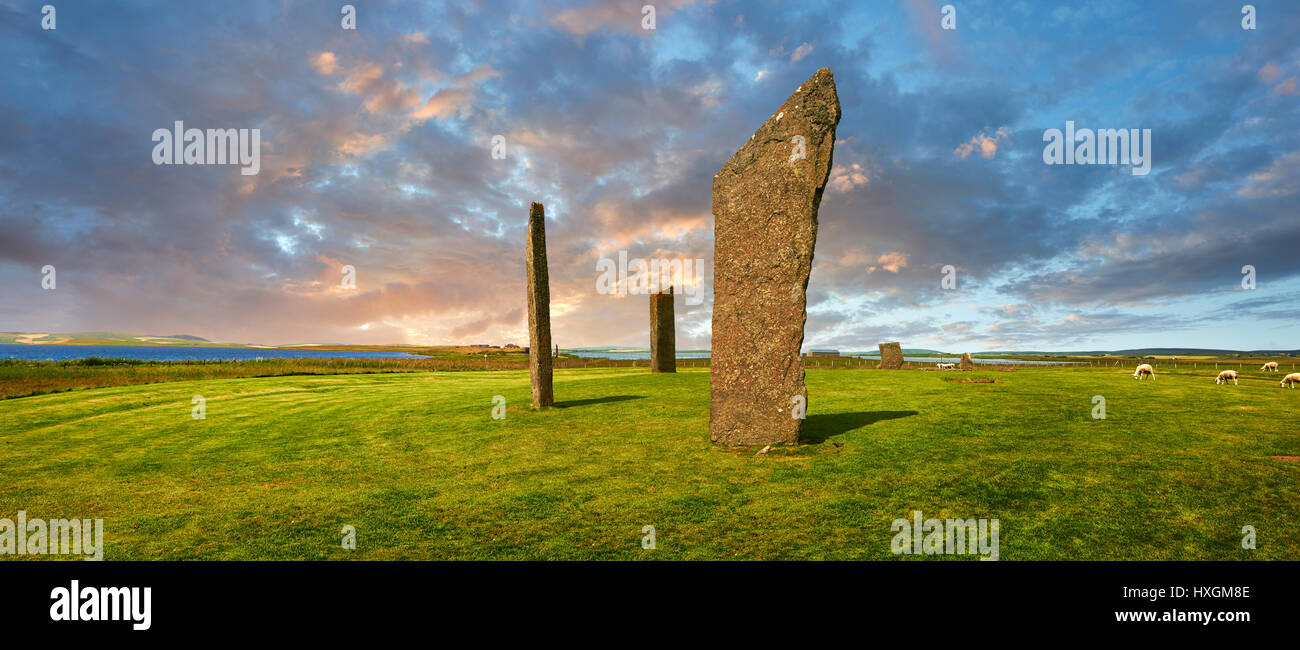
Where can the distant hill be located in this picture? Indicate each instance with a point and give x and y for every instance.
(120, 338)
(186, 337)
(107, 338)
(911, 351)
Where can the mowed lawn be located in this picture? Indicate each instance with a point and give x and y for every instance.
(417, 465)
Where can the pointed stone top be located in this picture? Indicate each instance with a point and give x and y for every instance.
(816, 98)
(811, 112)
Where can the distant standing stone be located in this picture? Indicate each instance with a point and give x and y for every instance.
(966, 363)
(663, 333)
(765, 203)
(539, 308)
(891, 356)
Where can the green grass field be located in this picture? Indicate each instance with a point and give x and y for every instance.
(416, 463)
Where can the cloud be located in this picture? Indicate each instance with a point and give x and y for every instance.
(1281, 179)
(1270, 72)
(800, 52)
(615, 15)
(513, 317)
(987, 146)
(845, 178)
(457, 97)
(892, 262)
(380, 92)
(325, 63)
(358, 144)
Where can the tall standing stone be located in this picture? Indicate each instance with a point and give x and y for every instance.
(663, 333)
(539, 308)
(966, 362)
(891, 356)
(765, 203)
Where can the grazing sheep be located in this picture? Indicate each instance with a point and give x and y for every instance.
(1144, 370)
(1225, 376)
(946, 366)
(1270, 367)
(1292, 379)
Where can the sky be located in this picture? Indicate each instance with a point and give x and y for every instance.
(376, 152)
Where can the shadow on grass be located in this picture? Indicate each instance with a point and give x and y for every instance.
(596, 400)
(817, 428)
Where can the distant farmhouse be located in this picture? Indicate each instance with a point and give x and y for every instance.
(823, 353)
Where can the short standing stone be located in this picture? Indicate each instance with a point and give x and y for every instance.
(539, 308)
(966, 363)
(765, 203)
(891, 356)
(663, 334)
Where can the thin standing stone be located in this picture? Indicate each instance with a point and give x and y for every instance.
(539, 308)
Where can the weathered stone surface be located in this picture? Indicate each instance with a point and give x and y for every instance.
(663, 333)
(539, 308)
(891, 356)
(765, 203)
(966, 363)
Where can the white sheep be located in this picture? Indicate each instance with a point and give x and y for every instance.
(1225, 376)
(946, 366)
(1292, 379)
(1271, 366)
(1144, 370)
